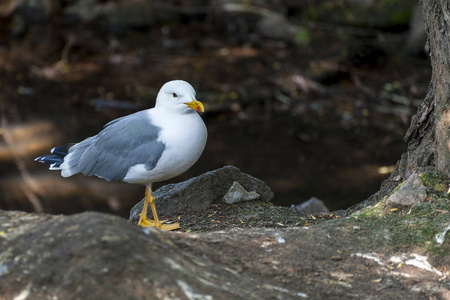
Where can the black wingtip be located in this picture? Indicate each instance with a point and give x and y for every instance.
(62, 150)
(57, 157)
(53, 159)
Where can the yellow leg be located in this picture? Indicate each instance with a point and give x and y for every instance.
(143, 220)
(146, 222)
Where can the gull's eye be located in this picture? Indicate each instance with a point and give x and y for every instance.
(174, 95)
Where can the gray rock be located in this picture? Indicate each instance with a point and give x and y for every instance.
(237, 193)
(312, 206)
(411, 192)
(276, 26)
(122, 14)
(31, 11)
(85, 10)
(200, 192)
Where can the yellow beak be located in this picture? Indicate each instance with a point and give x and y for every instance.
(197, 105)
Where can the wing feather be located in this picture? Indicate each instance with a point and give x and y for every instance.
(123, 143)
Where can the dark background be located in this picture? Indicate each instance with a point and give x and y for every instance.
(313, 97)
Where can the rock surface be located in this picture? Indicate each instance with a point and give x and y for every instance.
(237, 193)
(411, 192)
(368, 254)
(312, 206)
(198, 193)
(98, 256)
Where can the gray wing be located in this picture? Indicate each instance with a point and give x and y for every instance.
(124, 142)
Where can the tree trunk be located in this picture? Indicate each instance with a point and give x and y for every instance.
(428, 136)
(429, 132)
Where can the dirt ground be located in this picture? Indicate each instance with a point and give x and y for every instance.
(261, 252)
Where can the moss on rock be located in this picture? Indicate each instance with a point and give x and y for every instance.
(416, 226)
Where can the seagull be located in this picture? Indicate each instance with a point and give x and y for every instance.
(148, 146)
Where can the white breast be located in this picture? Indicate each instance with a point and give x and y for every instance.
(184, 136)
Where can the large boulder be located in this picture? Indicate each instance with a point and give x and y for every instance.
(198, 193)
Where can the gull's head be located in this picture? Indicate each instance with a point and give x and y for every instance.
(178, 96)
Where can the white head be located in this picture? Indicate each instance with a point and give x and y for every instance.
(178, 96)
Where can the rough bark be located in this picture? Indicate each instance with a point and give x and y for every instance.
(437, 21)
(429, 134)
